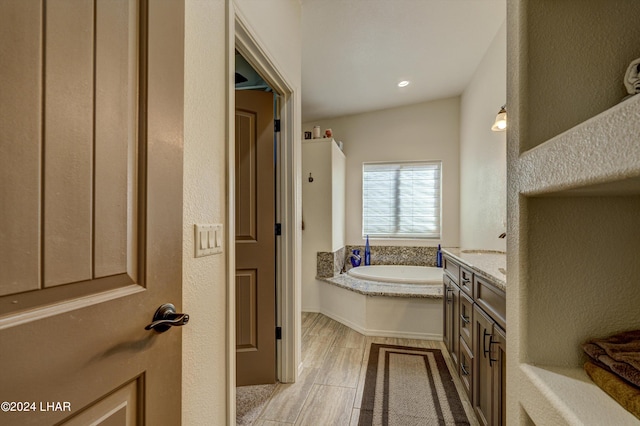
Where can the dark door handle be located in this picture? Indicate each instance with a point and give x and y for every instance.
(167, 317)
(484, 343)
(491, 342)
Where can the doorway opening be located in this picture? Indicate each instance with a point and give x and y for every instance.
(287, 245)
(256, 229)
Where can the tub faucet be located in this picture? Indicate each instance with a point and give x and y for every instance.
(504, 234)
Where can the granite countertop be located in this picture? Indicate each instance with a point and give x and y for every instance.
(375, 288)
(489, 264)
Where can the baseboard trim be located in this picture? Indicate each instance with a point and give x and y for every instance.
(380, 333)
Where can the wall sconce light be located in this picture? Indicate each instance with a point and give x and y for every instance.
(500, 125)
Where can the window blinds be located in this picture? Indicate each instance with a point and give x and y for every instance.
(401, 200)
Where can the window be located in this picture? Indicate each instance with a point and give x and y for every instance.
(401, 200)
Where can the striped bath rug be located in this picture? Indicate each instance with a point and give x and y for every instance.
(409, 386)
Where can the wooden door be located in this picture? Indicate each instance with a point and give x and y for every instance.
(255, 239)
(91, 113)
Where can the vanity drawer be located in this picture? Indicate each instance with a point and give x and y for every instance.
(451, 268)
(491, 299)
(466, 319)
(466, 368)
(466, 281)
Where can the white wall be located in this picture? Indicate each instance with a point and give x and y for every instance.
(483, 188)
(276, 27)
(425, 131)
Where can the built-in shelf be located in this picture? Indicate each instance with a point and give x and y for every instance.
(573, 232)
(568, 397)
(600, 156)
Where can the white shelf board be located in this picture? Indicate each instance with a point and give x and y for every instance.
(567, 396)
(602, 153)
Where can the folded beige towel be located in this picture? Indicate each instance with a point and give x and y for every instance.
(620, 353)
(625, 394)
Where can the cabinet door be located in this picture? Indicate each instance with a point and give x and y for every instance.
(451, 320)
(482, 380)
(499, 368)
(466, 319)
(466, 368)
(447, 331)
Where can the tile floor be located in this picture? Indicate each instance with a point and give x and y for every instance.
(329, 390)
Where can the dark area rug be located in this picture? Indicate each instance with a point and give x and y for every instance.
(409, 386)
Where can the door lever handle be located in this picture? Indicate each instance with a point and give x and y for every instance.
(167, 317)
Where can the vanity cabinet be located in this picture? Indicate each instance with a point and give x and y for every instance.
(474, 334)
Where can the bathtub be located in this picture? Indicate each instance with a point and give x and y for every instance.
(386, 315)
(423, 275)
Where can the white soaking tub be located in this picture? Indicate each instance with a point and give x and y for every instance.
(421, 275)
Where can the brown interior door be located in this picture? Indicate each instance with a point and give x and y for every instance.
(255, 239)
(91, 118)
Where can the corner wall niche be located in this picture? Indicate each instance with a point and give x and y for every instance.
(573, 201)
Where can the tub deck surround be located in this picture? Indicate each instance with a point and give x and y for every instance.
(490, 265)
(378, 288)
(376, 308)
(330, 264)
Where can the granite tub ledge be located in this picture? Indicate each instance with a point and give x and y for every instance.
(376, 288)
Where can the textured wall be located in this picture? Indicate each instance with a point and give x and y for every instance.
(204, 279)
(483, 164)
(276, 26)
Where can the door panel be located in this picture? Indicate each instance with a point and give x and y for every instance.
(246, 320)
(246, 176)
(121, 408)
(255, 239)
(90, 209)
(20, 105)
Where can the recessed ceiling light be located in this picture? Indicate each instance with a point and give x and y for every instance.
(403, 83)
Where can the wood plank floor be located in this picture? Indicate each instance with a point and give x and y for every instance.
(329, 390)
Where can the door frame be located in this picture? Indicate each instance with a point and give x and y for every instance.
(288, 301)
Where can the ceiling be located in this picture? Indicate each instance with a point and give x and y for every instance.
(354, 52)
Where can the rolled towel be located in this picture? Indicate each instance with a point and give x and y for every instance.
(622, 369)
(623, 347)
(623, 393)
(620, 353)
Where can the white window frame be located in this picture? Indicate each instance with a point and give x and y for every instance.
(399, 223)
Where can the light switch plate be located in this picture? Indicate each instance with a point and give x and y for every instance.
(208, 239)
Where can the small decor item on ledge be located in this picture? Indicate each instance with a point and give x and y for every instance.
(367, 253)
(316, 132)
(328, 133)
(355, 258)
(632, 78)
(439, 257)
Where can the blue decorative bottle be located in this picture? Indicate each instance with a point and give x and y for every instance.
(355, 258)
(367, 253)
(439, 257)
